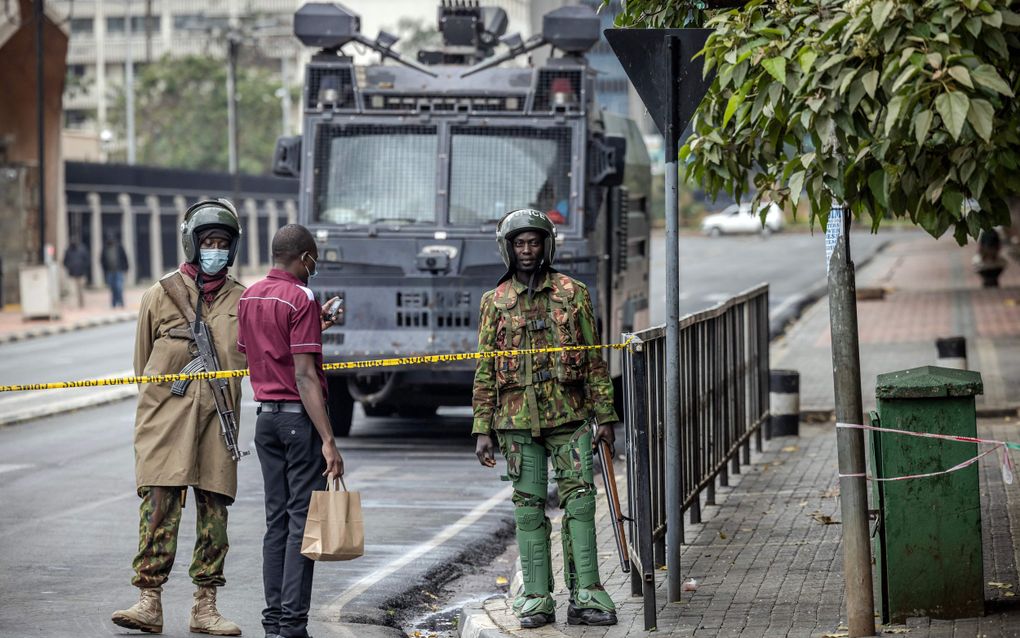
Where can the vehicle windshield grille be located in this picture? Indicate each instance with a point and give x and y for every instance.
(375, 174)
(498, 169)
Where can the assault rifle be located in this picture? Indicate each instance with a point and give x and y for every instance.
(205, 361)
(605, 454)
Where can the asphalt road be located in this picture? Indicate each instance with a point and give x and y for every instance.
(713, 269)
(69, 525)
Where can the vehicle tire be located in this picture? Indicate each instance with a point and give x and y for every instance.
(714, 231)
(381, 410)
(341, 406)
(417, 411)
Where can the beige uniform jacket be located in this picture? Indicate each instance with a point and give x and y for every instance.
(177, 439)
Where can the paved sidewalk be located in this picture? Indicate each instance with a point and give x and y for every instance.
(930, 292)
(96, 312)
(768, 557)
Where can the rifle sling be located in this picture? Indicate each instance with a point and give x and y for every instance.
(175, 288)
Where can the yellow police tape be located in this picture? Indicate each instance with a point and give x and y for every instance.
(347, 365)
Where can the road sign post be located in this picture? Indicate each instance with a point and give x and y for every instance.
(649, 56)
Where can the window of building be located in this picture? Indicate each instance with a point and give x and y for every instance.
(187, 21)
(75, 118)
(81, 26)
(138, 23)
(199, 22)
(115, 24)
(76, 70)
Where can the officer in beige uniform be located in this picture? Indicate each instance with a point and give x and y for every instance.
(177, 438)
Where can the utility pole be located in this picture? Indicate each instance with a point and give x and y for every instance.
(660, 64)
(40, 113)
(233, 47)
(285, 104)
(129, 84)
(846, 377)
(148, 31)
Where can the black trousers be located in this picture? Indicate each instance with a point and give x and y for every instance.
(290, 452)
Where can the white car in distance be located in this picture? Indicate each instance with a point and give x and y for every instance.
(738, 218)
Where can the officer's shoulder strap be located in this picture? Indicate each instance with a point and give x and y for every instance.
(175, 288)
(504, 296)
(564, 287)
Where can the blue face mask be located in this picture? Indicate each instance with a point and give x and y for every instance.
(213, 260)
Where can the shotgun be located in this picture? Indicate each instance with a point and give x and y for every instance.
(605, 454)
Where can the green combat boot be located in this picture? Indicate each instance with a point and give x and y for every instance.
(145, 615)
(535, 606)
(206, 619)
(590, 604)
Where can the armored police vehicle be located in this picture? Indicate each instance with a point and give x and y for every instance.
(406, 166)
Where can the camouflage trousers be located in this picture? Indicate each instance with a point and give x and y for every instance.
(160, 519)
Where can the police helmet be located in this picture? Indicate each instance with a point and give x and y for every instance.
(518, 221)
(205, 215)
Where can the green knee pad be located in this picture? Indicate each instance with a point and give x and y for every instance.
(526, 464)
(533, 541)
(582, 569)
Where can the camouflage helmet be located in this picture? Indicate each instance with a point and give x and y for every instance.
(206, 214)
(516, 222)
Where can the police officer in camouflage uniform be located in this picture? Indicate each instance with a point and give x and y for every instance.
(177, 438)
(542, 406)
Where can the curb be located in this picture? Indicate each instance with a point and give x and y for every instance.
(474, 622)
(104, 397)
(46, 331)
(787, 316)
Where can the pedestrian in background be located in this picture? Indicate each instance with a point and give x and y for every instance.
(541, 407)
(178, 442)
(115, 264)
(280, 330)
(76, 261)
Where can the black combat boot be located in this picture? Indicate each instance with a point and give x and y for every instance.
(534, 621)
(588, 616)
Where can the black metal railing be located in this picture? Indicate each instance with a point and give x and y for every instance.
(724, 402)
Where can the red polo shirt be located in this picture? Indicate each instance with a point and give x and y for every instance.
(277, 318)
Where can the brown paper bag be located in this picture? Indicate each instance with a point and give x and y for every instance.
(334, 529)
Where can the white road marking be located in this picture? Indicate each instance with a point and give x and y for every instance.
(11, 467)
(333, 609)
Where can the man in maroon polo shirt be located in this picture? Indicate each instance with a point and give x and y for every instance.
(280, 329)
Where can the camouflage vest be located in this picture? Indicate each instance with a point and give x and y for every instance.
(551, 327)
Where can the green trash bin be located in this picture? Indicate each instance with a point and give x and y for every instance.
(927, 542)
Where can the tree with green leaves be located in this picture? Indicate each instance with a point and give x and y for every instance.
(903, 109)
(181, 114)
(888, 107)
(416, 34)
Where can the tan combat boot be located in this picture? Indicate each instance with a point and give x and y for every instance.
(146, 614)
(206, 619)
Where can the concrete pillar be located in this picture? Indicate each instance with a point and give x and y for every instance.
(291, 207)
(155, 238)
(99, 27)
(182, 206)
(251, 227)
(274, 225)
(96, 242)
(127, 237)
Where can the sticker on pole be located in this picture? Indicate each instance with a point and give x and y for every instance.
(833, 231)
(1007, 467)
